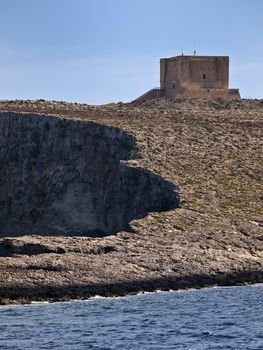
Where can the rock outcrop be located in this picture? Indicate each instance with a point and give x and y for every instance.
(211, 150)
(61, 176)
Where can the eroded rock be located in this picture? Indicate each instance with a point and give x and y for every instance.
(10, 247)
(61, 176)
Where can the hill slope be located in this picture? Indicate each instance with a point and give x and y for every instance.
(212, 152)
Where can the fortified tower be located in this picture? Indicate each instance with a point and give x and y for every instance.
(193, 76)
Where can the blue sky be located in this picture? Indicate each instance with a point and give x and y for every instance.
(101, 51)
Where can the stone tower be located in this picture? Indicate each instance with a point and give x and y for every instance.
(193, 77)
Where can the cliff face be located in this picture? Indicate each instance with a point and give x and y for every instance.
(61, 176)
(69, 169)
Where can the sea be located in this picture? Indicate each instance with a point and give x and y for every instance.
(212, 318)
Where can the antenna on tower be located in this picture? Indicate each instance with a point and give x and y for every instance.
(194, 48)
(182, 52)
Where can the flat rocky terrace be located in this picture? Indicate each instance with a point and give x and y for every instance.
(212, 152)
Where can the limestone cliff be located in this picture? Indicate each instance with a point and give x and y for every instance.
(89, 169)
(61, 176)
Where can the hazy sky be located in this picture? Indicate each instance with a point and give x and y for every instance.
(99, 51)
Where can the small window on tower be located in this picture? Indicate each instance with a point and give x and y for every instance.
(204, 76)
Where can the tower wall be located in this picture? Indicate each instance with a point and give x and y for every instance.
(194, 72)
(194, 76)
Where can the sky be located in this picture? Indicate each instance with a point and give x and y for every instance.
(102, 51)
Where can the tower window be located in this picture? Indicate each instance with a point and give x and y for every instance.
(204, 76)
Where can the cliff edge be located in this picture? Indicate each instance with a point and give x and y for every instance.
(90, 197)
(65, 177)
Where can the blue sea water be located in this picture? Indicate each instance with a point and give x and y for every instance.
(215, 318)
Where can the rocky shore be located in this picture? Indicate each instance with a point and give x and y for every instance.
(202, 157)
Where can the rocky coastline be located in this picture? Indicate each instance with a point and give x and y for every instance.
(164, 194)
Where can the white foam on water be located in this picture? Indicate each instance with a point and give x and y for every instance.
(35, 302)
